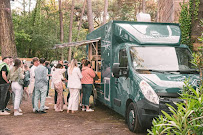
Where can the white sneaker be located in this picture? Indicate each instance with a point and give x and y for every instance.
(4, 113)
(54, 106)
(33, 110)
(17, 113)
(89, 110)
(46, 107)
(83, 109)
(19, 110)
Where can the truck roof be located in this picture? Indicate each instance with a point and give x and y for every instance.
(141, 33)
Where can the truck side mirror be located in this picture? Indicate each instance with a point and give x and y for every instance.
(116, 70)
(124, 71)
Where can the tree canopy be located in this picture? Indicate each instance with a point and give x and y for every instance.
(37, 31)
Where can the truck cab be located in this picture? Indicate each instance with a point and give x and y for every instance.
(146, 78)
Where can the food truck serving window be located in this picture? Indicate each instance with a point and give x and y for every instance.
(153, 33)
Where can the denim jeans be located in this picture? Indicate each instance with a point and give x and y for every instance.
(3, 95)
(87, 90)
(7, 98)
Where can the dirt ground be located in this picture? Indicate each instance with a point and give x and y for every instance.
(102, 121)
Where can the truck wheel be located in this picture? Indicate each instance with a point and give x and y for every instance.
(132, 118)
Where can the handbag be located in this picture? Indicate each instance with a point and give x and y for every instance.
(21, 81)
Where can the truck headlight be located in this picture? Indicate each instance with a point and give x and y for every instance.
(148, 92)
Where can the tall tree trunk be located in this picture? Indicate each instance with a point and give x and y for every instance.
(80, 23)
(143, 6)
(61, 26)
(24, 5)
(139, 6)
(90, 15)
(135, 9)
(196, 29)
(105, 11)
(70, 29)
(7, 40)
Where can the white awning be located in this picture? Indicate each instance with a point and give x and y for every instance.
(80, 43)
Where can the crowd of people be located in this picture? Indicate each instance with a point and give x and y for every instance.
(18, 79)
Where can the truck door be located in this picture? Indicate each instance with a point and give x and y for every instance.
(106, 75)
(121, 84)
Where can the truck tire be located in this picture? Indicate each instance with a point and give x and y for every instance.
(132, 118)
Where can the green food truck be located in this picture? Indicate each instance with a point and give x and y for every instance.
(141, 67)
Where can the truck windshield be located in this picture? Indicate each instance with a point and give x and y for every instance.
(161, 59)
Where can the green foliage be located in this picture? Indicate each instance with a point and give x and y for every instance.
(185, 24)
(196, 9)
(197, 59)
(186, 119)
(187, 14)
(37, 32)
(126, 10)
(201, 37)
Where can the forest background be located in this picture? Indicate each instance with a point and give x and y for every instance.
(37, 27)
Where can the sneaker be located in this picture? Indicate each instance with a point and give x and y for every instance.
(17, 113)
(19, 110)
(4, 113)
(59, 110)
(89, 110)
(54, 106)
(46, 107)
(36, 111)
(83, 109)
(42, 112)
(7, 109)
(33, 110)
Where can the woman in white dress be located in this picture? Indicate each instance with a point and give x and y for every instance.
(74, 85)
